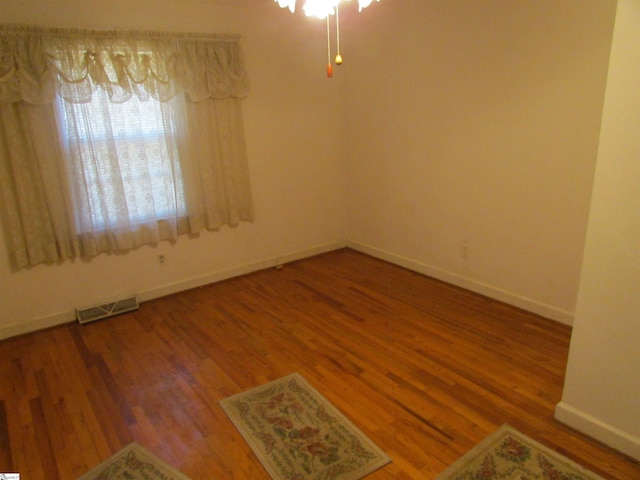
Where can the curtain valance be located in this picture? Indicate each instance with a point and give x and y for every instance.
(38, 63)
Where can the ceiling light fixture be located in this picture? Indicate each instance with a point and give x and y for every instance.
(324, 9)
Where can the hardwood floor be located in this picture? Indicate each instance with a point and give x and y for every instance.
(425, 369)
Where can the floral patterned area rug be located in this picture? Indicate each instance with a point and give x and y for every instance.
(297, 434)
(510, 455)
(133, 463)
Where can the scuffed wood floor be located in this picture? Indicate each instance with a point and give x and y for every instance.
(425, 369)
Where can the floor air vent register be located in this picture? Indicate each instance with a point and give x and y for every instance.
(98, 312)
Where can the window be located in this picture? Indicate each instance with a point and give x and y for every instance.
(126, 156)
(113, 140)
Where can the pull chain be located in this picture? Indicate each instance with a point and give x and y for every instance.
(329, 66)
(338, 56)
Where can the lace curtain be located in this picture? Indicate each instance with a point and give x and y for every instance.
(55, 84)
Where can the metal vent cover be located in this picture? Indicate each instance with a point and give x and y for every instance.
(98, 312)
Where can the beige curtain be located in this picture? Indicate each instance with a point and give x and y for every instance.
(50, 83)
(34, 206)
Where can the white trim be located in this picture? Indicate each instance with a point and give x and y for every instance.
(238, 271)
(544, 310)
(168, 289)
(597, 429)
(539, 308)
(37, 324)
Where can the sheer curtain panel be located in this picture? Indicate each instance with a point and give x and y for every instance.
(113, 140)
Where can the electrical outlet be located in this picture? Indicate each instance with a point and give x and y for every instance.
(161, 259)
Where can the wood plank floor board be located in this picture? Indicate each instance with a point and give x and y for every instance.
(427, 370)
(5, 439)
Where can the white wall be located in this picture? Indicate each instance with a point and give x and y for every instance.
(473, 139)
(602, 387)
(458, 138)
(294, 119)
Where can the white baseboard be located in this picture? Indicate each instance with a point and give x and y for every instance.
(544, 310)
(37, 324)
(238, 271)
(168, 289)
(186, 284)
(583, 422)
